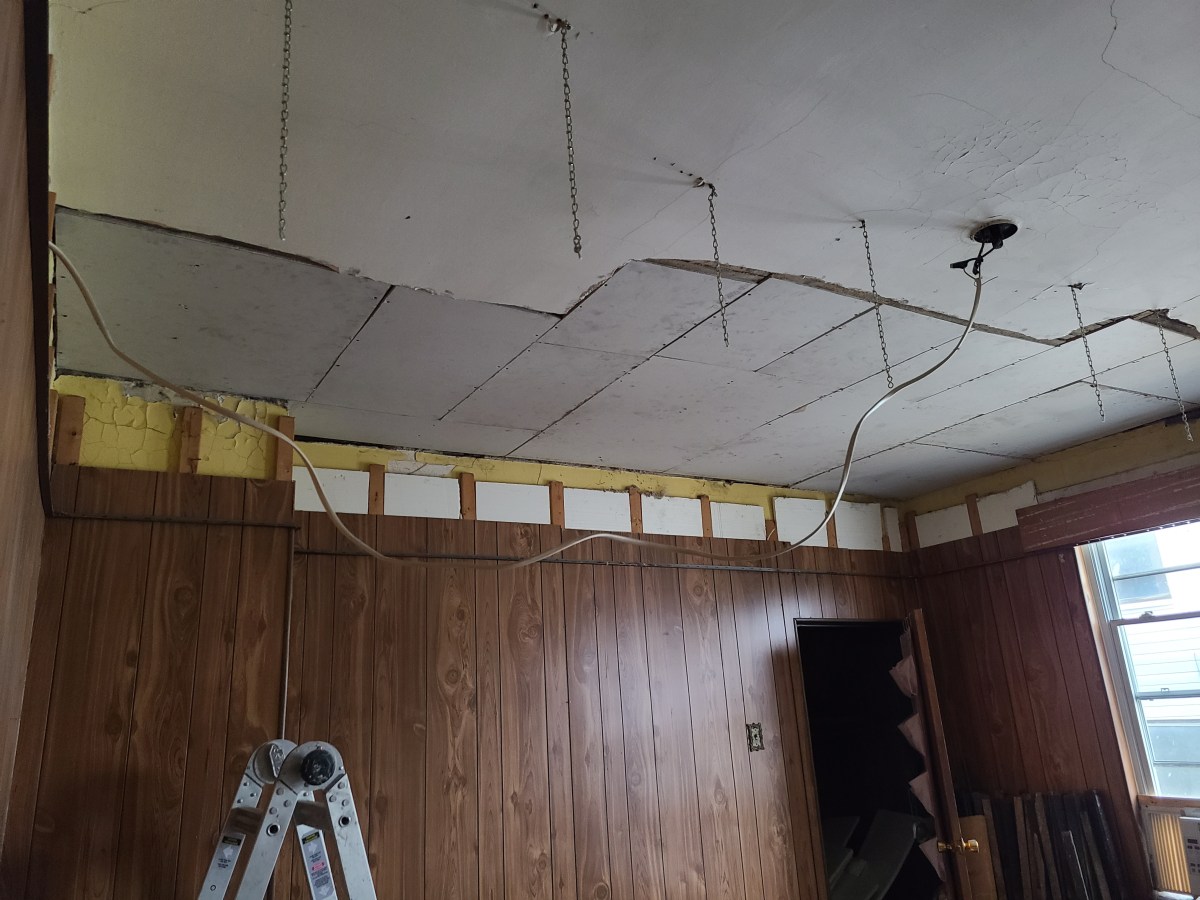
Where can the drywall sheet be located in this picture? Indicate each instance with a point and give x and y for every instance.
(795, 517)
(642, 308)
(421, 496)
(672, 515)
(361, 426)
(911, 469)
(590, 510)
(421, 354)
(497, 502)
(1151, 374)
(347, 491)
(997, 511)
(541, 386)
(739, 520)
(944, 525)
(203, 312)
(768, 321)
(859, 526)
(665, 412)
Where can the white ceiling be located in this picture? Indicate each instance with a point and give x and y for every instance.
(426, 150)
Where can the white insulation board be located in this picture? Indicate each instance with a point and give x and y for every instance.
(421, 496)
(859, 526)
(944, 525)
(997, 511)
(497, 502)
(672, 515)
(739, 520)
(347, 491)
(590, 510)
(796, 517)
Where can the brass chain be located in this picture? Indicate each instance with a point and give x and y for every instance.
(887, 363)
(284, 102)
(1086, 348)
(1187, 426)
(712, 221)
(563, 28)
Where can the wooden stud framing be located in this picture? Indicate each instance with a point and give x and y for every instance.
(772, 530)
(68, 431)
(831, 532)
(283, 453)
(887, 538)
(190, 423)
(973, 514)
(909, 537)
(466, 495)
(635, 511)
(706, 516)
(375, 489)
(558, 505)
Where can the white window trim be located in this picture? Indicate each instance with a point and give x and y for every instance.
(1097, 584)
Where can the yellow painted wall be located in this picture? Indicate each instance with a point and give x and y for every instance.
(125, 431)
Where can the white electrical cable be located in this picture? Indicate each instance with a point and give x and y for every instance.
(217, 409)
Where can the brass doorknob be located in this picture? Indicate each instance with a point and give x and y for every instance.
(962, 845)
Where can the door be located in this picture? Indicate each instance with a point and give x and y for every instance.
(952, 843)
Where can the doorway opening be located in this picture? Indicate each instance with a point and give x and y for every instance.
(872, 822)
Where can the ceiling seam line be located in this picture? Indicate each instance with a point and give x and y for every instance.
(353, 338)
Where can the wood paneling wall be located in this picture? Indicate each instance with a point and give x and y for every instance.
(21, 518)
(570, 730)
(1024, 702)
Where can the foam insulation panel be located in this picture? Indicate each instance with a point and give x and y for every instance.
(590, 510)
(943, 525)
(998, 511)
(795, 517)
(768, 321)
(421, 354)
(203, 312)
(891, 522)
(421, 496)
(339, 423)
(498, 502)
(347, 491)
(641, 309)
(540, 386)
(859, 526)
(738, 520)
(672, 515)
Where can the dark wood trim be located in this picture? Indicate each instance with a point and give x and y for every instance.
(1153, 502)
(37, 162)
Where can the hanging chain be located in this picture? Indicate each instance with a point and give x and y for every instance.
(564, 28)
(887, 363)
(284, 101)
(1075, 288)
(1187, 426)
(712, 221)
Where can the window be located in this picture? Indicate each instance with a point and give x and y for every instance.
(1148, 592)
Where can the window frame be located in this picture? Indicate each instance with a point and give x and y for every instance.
(1099, 580)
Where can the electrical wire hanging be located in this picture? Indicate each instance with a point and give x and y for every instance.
(656, 546)
(887, 363)
(1187, 426)
(1075, 288)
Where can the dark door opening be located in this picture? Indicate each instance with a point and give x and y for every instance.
(872, 823)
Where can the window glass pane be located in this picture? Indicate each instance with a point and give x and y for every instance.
(1173, 738)
(1139, 594)
(1164, 657)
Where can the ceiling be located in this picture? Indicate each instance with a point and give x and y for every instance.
(427, 174)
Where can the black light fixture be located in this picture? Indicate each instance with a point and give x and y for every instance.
(994, 233)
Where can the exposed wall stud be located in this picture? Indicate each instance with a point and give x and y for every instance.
(375, 489)
(635, 511)
(706, 524)
(191, 421)
(972, 503)
(558, 506)
(283, 453)
(466, 495)
(68, 431)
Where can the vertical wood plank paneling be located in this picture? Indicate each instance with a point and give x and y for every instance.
(87, 736)
(682, 847)
(527, 848)
(612, 723)
(768, 766)
(491, 763)
(352, 705)
(558, 724)
(587, 728)
(641, 767)
(157, 760)
(735, 710)
(715, 787)
(204, 799)
(396, 846)
(451, 808)
(35, 707)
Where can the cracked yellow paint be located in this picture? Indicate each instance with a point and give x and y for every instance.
(124, 431)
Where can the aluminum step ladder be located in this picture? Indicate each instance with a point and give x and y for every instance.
(285, 784)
